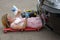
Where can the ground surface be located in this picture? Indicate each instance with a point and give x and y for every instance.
(5, 7)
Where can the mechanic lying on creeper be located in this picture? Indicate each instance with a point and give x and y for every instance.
(25, 19)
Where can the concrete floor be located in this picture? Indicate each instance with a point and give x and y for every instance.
(5, 7)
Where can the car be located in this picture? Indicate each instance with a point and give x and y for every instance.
(51, 10)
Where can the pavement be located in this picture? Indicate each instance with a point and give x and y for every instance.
(5, 7)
